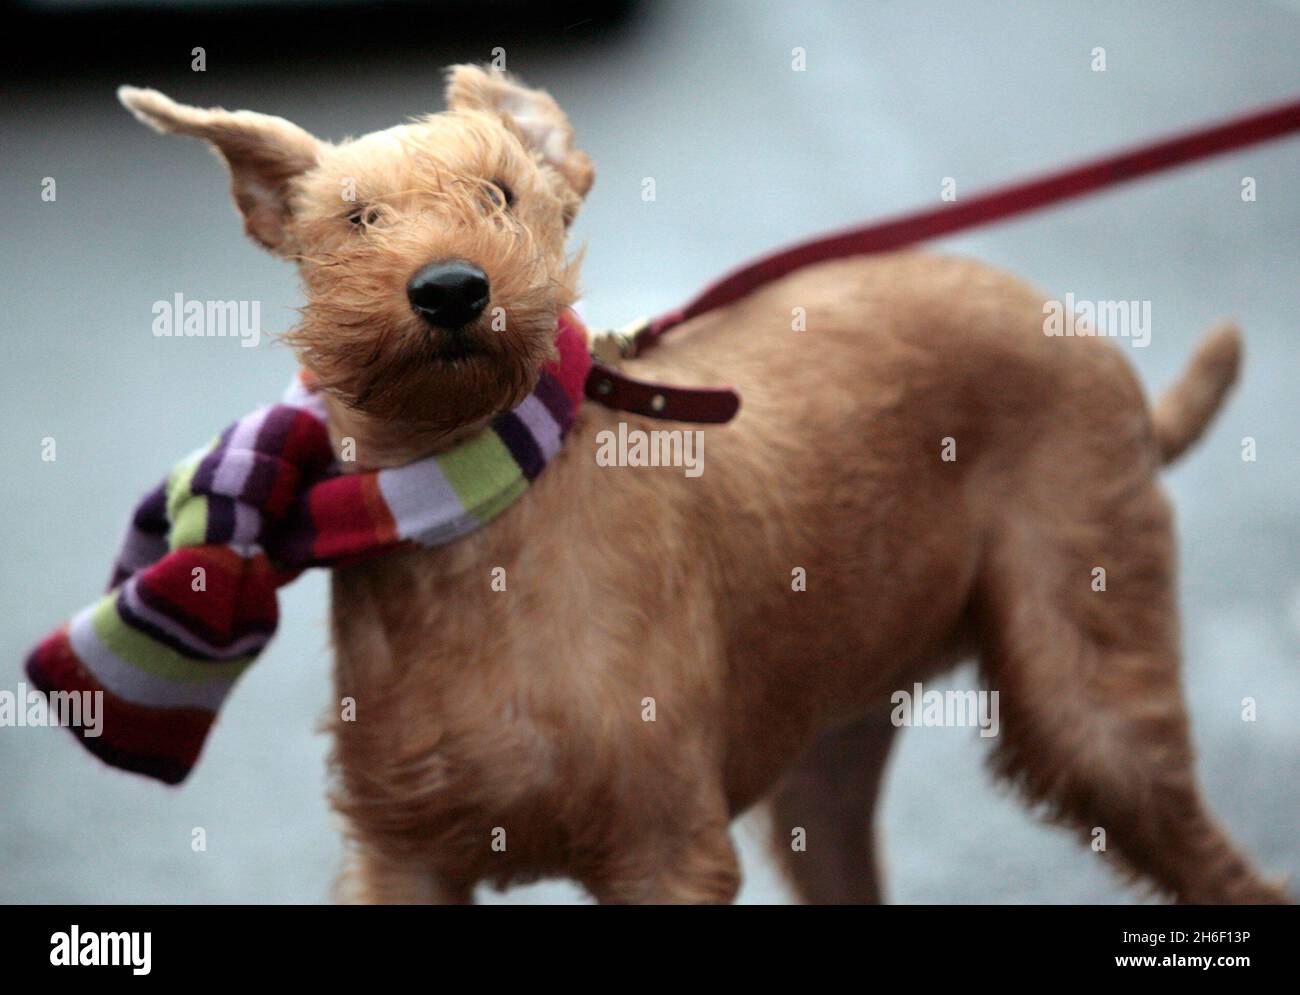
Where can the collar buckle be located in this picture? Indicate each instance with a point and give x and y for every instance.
(612, 347)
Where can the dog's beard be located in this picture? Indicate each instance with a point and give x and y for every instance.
(440, 390)
(402, 372)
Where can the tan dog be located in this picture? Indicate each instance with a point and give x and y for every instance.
(503, 736)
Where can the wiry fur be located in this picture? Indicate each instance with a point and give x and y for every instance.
(483, 712)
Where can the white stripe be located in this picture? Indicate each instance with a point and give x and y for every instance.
(541, 424)
(445, 532)
(248, 522)
(137, 686)
(238, 459)
(420, 498)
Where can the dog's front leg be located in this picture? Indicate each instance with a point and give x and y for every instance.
(370, 878)
(679, 852)
(702, 871)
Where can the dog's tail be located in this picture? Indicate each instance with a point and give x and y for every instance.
(1185, 409)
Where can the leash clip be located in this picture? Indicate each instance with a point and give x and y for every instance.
(612, 347)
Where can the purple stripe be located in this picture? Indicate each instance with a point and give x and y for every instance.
(543, 427)
(221, 519)
(290, 544)
(270, 443)
(207, 468)
(146, 537)
(523, 447)
(151, 513)
(550, 393)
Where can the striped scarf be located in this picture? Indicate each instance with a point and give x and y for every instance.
(192, 600)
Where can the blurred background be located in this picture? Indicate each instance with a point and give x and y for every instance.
(747, 155)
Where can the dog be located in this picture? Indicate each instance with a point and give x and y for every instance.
(920, 477)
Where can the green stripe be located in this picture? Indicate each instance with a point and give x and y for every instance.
(500, 502)
(187, 513)
(484, 474)
(153, 657)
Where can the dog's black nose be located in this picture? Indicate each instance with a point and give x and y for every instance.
(449, 294)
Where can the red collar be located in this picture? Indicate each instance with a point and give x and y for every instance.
(609, 386)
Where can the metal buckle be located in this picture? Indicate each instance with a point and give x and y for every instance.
(612, 347)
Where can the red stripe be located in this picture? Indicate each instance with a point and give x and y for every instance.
(574, 364)
(384, 526)
(341, 514)
(236, 590)
(161, 742)
(305, 449)
(993, 206)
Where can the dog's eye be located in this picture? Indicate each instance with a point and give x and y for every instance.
(363, 216)
(501, 191)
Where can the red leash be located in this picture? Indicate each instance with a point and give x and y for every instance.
(719, 404)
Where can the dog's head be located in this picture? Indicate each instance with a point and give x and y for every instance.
(433, 253)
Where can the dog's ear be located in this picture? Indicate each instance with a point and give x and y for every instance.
(535, 116)
(263, 153)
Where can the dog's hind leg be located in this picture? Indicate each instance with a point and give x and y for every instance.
(1092, 718)
(830, 794)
